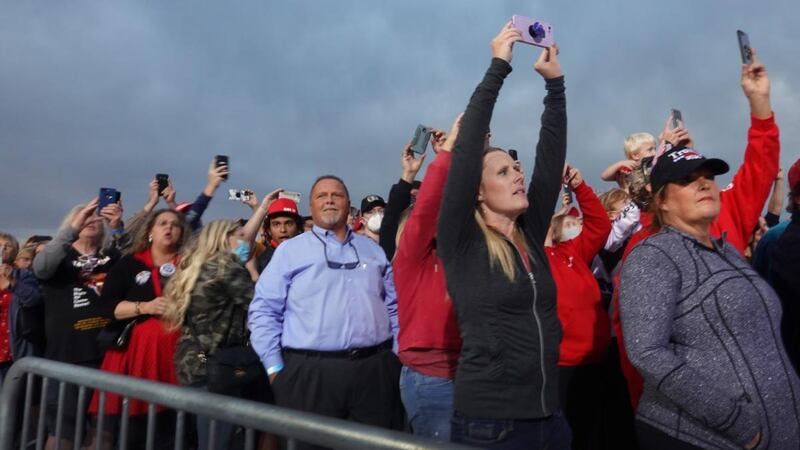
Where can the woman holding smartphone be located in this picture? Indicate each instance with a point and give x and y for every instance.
(491, 235)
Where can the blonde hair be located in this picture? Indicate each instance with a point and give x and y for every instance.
(634, 142)
(499, 252)
(612, 196)
(211, 244)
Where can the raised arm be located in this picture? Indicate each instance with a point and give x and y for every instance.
(259, 213)
(399, 200)
(773, 216)
(456, 224)
(419, 232)
(551, 151)
(649, 292)
(47, 261)
(596, 225)
(744, 198)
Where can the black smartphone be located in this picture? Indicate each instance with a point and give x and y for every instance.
(513, 154)
(163, 182)
(420, 141)
(222, 160)
(677, 118)
(744, 47)
(107, 197)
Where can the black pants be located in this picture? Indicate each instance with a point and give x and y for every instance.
(362, 390)
(651, 438)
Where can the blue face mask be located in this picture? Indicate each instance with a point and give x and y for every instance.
(242, 250)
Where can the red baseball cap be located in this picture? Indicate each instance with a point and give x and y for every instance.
(283, 206)
(794, 175)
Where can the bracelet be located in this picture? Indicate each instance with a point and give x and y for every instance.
(138, 312)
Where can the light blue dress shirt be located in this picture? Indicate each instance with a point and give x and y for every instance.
(302, 303)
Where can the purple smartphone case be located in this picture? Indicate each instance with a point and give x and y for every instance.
(534, 31)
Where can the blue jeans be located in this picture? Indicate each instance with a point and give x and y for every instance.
(223, 430)
(551, 433)
(428, 402)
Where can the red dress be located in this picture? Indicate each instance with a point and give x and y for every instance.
(149, 354)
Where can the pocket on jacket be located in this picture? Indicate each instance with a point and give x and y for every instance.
(480, 431)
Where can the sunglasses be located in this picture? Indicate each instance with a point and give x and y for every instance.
(335, 264)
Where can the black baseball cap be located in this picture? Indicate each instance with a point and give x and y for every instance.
(371, 201)
(679, 163)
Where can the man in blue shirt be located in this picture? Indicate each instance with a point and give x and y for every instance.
(324, 318)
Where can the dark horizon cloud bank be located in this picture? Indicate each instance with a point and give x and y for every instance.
(108, 94)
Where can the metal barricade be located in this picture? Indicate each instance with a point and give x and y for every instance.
(252, 416)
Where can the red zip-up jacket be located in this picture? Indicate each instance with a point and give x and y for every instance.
(741, 203)
(425, 310)
(584, 322)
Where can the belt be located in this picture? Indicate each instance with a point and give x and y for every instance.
(353, 353)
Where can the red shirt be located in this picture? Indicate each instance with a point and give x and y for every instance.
(741, 203)
(428, 340)
(5, 338)
(584, 322)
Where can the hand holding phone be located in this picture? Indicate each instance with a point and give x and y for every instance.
(107, 197)
(534, 31)
(744, 47)
(241, 195)
(677, 118)
(222, 160)
(163, 182)
(419, 143)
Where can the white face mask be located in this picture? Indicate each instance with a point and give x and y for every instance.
(374, 222)
(567, 234)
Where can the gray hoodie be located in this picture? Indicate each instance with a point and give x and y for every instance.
(703, 329)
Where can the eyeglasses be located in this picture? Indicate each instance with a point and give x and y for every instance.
(339, 265)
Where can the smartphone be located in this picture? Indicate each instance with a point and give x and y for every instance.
(107, 197)
(568, 191)
(222, 160)
(534, 31)
(420, 141)
(513, 154)
(163, 182)
(677, 118)
(744, 47)
(241, 195)
(293, 196)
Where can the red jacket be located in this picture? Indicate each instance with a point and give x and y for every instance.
(741, 203)
(425, 310)
(584, 321)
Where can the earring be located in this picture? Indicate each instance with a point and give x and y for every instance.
(150, 238)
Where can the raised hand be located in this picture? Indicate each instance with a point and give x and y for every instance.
(252, 199)
(503, 43)
(216, 175)
(547, 64)
(410, 165)
(85, 216)
(270, 198)
(169, 194)
(573, 177)
(756, 87)
(152, 196)
(113, 214)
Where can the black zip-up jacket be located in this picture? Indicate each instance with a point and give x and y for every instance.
(511, 332)
(399, 200)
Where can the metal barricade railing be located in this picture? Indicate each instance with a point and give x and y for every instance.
(252, 416)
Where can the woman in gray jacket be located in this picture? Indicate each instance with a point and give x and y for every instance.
(702, 327)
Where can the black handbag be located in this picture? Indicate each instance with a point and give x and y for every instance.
(233, 367)
(116, 334)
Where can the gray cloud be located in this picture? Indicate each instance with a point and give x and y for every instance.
(107, 94)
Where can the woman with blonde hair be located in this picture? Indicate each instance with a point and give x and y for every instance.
(210, 294)
(491, 234)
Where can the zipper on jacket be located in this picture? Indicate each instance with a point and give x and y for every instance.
(541, 342)
(532, 280)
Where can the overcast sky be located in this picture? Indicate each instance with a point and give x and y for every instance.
(109, 93)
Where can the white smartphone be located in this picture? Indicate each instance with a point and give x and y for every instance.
(241, 195)
(294, 196)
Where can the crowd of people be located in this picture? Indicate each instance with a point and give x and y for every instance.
(471, 307)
